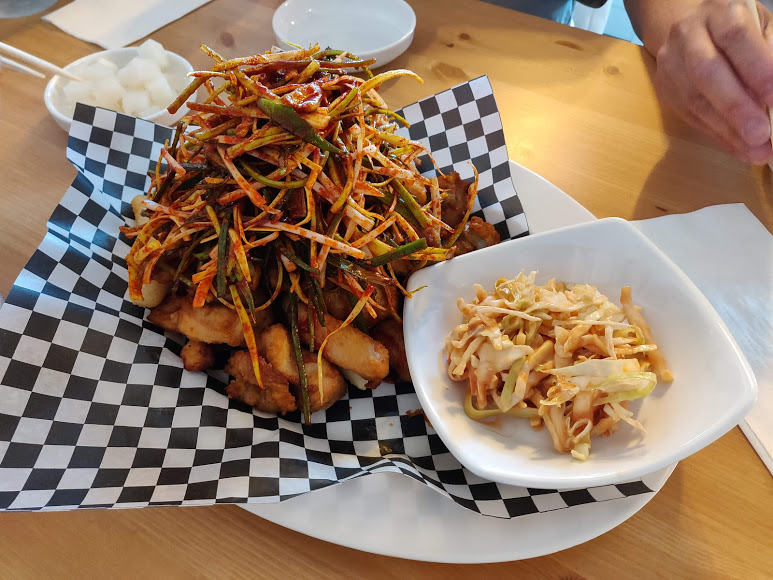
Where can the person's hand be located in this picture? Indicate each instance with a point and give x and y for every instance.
(716, 70)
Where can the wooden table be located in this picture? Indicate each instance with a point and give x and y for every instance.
(578, 109)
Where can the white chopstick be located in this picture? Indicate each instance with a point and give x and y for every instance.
(33, 61)
(8, 63)
(752, 5)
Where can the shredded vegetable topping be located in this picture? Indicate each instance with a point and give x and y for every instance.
(562, 355)
(289, 178)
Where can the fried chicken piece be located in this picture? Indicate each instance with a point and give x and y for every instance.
(390, 334)
(477, 234)
(332, 381)
(276, 344)
(213, 323)
(165, 314)
(339, 306)
(336, 302)
(275, 397)
(197, 356)
(454, 206)
(348, 348)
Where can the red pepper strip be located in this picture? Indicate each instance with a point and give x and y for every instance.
(249, 334)
(204, 274)
(202, 290)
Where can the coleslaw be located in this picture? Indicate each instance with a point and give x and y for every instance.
(562, 355)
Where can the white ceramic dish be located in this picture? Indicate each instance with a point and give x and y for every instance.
(394, 515)
(380, 29)
(54, 97)
(714, 387)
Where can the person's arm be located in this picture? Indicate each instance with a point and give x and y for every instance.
(652, 19)
(713, 67)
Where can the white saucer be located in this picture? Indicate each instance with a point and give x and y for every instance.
(380, 29)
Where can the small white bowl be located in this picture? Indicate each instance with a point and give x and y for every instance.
(713, 389)
(380, 29)
(54, 97)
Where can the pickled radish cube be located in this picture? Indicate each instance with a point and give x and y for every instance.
(152, 110)
(108, 93)
(97, 70)
(109, 104)
(135, 102)
(161, 94)
(154, 51)
(139, 71)
(76, 92)
(178, 83)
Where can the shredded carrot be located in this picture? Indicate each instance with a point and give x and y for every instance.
(202, 290)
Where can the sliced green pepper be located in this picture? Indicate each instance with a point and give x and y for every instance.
(398, 253)
(286, 117)
(305, 404)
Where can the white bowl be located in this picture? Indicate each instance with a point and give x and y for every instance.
(54, 97)
(714, 387)
(380, 29)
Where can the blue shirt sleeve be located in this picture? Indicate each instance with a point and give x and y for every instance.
(558, 10)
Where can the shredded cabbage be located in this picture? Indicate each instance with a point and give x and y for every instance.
(598, 368)
(627, 387)
(563, 355)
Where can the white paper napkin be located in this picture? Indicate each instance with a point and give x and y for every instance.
(728, 254)
(116, 23)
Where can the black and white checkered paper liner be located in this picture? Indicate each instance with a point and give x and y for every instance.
(96, 409)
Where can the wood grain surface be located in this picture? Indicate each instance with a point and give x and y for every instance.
(578, 109)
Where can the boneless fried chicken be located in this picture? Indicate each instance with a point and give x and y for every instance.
(272, 397)
(390, 334)
(347, 347)
(283, 219)
(277, 345)
(476, 235)
(197, 356)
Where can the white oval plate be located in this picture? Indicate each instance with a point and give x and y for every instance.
(380, 29)
(394, 515)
